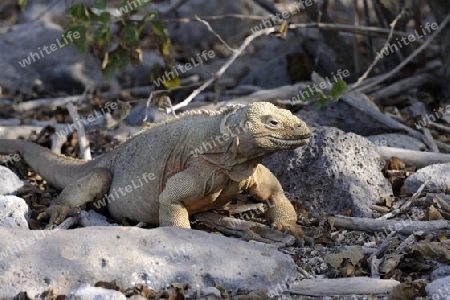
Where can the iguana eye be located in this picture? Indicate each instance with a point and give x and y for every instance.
(274, 122)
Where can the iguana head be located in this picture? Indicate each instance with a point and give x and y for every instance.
(267, 129)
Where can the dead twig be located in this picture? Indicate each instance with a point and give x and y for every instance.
(440, 127)
(360, 29)
(342, 286)
(400, 86)
(407, 204)
(374, 261)
(85, 151)
(245, 229)
(405, 227)
(414, 158)
(428, 140)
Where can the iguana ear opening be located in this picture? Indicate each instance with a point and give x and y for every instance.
(224, 128)
(225, 124)
(233, 122)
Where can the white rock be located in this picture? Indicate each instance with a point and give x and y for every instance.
(93, 218)
(439, 289)
(87, 292)
(13, 212)
(9, 182)
(36, 260)
(439, 183)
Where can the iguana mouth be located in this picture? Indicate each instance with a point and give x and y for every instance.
(298, 141)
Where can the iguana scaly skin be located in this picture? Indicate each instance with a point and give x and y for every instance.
(233, 141)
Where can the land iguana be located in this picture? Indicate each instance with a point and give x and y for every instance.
(198, 161)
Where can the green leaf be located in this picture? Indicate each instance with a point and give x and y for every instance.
(158, 28)
(173, 83)
(22, 5)
(101, 36)
(148, 17)
(317, 105)
(123, 9)
(74, 31)
(311, 95)
(105, 17)
(339, 88)
(145, 20)
(92, 16)
(130, 36)
(323, 101)
(100, 4)
(118, 59)
(79, 12)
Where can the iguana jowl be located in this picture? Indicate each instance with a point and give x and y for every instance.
(186, 181)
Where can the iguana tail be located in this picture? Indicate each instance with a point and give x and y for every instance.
(58, 170)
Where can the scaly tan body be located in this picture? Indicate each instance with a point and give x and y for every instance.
(183, 180)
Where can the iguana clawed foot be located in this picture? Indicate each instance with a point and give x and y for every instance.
(57, 213)
(296, 230)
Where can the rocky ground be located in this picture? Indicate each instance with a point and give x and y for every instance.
(379, 219)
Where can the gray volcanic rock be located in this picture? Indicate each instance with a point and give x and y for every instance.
(439, 183)
(343, 116)
(336, 172)
(36, 260)
(57, 67)
(197, 34)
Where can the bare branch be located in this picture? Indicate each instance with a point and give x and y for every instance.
(222, 70)
(409, 58)
(378, 57)
(215, 33)
(364, 30)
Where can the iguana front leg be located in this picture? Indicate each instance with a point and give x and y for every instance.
(181, 188)
(94, 185)
(264, 186)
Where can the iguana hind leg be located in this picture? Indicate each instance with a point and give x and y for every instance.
(92, 186)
